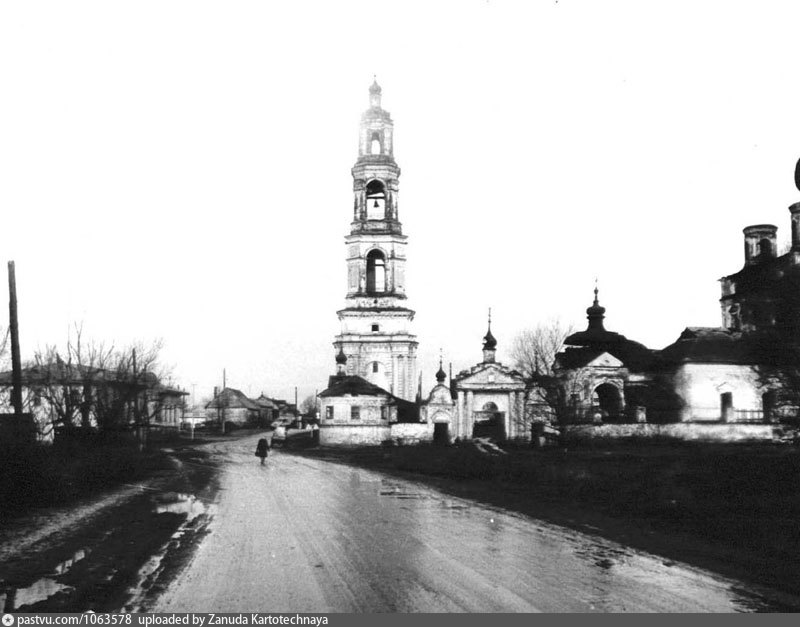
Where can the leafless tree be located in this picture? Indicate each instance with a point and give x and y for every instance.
(533, 352)
(309, 405)
(90, 384)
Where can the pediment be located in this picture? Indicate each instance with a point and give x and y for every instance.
(606, 360)
(491, 375)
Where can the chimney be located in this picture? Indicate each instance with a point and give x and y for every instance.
(795, 211)
(760, 243)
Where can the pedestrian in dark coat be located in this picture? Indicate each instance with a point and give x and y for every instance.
(261, 449)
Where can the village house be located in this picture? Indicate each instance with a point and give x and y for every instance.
(62, 396)
(232, 406)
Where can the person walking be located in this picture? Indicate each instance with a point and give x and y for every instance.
(261, 449)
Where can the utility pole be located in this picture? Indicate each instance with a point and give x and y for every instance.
(220, 400)
(16, 365)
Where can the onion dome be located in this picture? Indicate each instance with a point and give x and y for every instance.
(595, 314)
(797, 175)
(597, 338)
(489, 343)
(440, 374)
(341, 358)
(375, 88)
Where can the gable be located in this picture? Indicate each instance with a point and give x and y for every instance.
(491, 375)
(605, 360)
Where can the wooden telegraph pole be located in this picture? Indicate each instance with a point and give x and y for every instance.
(16, 365)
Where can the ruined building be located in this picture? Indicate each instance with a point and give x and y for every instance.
(740, 380)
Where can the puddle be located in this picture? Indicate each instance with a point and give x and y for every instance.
(399, 492)
(41, 589)
(179, 503)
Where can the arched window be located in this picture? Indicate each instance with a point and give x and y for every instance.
(765, 248)
(376, 200)
(376, 272)
(490, 406)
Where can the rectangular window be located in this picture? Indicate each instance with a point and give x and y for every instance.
(355, 412)
(375, 328)
(329, 412)
(384, 413)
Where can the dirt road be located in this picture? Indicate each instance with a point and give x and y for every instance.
(311, 536)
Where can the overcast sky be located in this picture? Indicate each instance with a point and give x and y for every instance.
(181, 170)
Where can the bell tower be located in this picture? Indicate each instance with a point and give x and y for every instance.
(375, 323)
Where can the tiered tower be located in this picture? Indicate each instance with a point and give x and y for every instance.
(376, 326)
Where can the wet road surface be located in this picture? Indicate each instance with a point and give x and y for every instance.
(308, 535)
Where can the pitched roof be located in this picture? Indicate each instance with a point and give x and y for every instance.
(231, 398)
(353, 385)
(264, 401)
(64, 373)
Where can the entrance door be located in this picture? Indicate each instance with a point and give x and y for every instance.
(489, 423)
(441, 433)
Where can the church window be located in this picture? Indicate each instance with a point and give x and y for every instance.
(384, 412)
(765, 247)
(490, 406)
(726, 406)
(376, 272)
(355, 412)
(375, 367)
(375, 328)
(329, 412)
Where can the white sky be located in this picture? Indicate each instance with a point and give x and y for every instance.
(182, 169)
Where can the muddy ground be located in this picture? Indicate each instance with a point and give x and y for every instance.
(728, 509)
(98, 554)
(731, 510)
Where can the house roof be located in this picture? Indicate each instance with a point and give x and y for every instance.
(231, 398)
(64, 373)
(352, 385)
(266, 402)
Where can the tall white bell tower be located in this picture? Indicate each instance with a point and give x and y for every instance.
(376, 332)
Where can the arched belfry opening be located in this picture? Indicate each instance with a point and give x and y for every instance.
(376, 200)
(376, 144)
(376, 272)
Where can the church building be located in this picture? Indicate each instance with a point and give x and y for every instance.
(737, 381)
